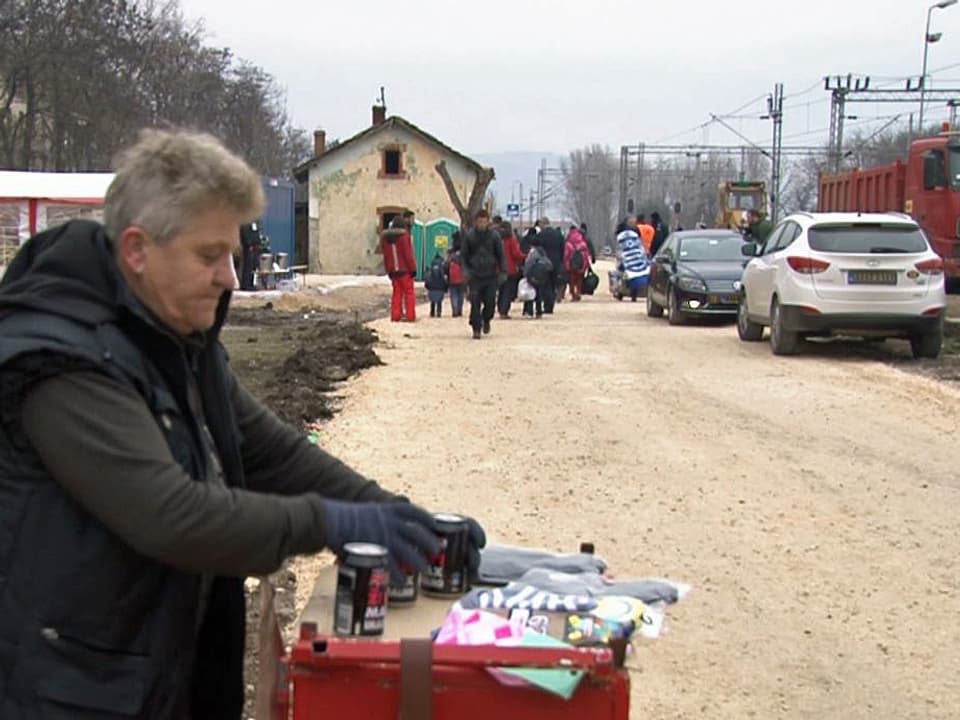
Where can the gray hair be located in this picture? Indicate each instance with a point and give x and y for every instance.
(168, 177)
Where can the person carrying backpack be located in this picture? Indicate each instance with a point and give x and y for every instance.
(436, 285)
(455, 279)
(482, 254)
(576, 261)
(538, 271)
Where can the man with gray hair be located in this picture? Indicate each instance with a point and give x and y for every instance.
(140, 483)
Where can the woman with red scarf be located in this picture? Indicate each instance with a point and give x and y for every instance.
(514, 257)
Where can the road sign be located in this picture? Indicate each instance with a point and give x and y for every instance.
(513, 210)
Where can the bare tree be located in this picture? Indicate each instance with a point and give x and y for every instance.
(590, 177)
(79, 79)
(484, 176)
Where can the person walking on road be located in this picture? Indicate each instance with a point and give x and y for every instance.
(660, 233)
(514, 257)
(140, 483)
(436, 285)
(552, 242)
(482, 254)
(401, 267)
(538, 271)
(455, 281)
(576, 261)
(646, 232)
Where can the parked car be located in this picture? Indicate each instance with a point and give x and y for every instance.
(694, 273)
(869, 275)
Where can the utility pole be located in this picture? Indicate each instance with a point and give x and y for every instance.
(624, 172)
(839, 87)
(541, 174)
(775, 113)
(639, 184)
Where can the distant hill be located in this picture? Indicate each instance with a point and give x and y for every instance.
(518, 167)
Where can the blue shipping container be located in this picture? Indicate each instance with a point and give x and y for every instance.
(277, 220)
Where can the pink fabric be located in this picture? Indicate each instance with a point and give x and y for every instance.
(476, 627)
(576, 241)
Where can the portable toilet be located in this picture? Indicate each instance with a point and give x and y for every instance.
(417, 236)
(439, 238)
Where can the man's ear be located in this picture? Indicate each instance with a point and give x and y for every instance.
(132, 249)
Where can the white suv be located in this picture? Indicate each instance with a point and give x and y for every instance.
(867, 275)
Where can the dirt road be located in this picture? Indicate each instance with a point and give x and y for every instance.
(812, 502)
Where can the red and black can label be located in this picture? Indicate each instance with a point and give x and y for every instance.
(360, 602)
(446, 573)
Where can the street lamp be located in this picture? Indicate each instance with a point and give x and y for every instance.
(929, 38)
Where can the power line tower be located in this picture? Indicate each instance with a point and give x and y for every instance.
(775, 113)
(850, 88)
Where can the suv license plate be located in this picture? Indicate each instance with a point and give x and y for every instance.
(872, 277)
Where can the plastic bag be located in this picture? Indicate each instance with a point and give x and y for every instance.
(525, 291)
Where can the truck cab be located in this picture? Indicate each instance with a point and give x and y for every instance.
(736, 199)
(932, 194)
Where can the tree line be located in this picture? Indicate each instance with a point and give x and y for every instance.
(80, 78)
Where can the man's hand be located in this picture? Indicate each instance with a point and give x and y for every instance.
(476, 540)
(407, 532)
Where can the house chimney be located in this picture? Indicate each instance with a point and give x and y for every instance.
(379, 114)
(319, 143)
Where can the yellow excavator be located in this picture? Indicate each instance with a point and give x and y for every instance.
(736, 199)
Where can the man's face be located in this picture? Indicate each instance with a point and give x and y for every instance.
(482, 223)
(182, 280)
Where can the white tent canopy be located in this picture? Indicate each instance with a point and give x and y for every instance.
(32, 192)
(86, 188)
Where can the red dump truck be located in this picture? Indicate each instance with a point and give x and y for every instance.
(926, 187)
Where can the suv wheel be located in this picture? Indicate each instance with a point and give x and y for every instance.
(929, 343)
(654, 309)
(782, 341)
(674, 314)
(748, 330)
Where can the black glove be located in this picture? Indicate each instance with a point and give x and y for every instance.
(477, 539)
(405, 530)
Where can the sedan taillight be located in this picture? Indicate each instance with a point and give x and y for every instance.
(806, 265)
(930, 267)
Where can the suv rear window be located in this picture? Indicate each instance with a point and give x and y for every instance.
(867, 239)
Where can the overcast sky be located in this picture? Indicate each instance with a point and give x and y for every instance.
(549, 76)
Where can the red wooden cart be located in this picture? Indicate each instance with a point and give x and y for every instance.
(323, 676)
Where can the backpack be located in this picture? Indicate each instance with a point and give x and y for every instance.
(455, 271)
(576, 260)
(537, 268)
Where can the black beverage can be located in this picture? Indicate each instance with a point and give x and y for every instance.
(406, 591)
(446, 573)
(360, 602)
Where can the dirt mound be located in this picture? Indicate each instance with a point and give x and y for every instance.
(326, 353)
(292, 362)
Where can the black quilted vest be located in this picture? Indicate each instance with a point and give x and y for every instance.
(89, 628)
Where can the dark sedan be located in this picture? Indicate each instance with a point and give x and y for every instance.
(694, 274)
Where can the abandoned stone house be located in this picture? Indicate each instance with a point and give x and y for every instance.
(349, 192)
